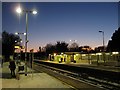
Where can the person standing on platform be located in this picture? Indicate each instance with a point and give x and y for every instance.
(12, 67)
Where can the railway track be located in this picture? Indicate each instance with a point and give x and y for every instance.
(78, 77)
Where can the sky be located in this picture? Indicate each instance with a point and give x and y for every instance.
(62, 21)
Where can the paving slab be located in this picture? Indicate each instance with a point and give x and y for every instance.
(32, 80)
(37, 80)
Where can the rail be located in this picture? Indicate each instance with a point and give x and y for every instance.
(80, 75)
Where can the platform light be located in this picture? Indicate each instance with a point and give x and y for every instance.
(83, 54)
(64, 54)
(24, 33)
(61, 53)
(98, 53)
(34, 12)
(92, 54)
(16, 33)
(21, 41)
(19, 10)
(16, 47)
(76, 54)
(115, 52)
(107, 53)
(54, 54)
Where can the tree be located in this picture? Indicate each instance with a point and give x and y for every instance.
(61, 46)
(74, 47)
(114, 43)
(50, 48)
(8, 43)
(99, 49)
(56, 48)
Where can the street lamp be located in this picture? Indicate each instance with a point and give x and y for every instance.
(103, 39)
(20, 33)
(19, 10)
(103, 45)
(73, 40)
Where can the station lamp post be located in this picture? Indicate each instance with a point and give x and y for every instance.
(103, 40)
(19, 10)
(103, 45)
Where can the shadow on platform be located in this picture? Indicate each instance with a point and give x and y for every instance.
(6, 75)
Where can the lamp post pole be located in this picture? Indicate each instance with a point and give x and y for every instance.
(26, 41)
(26, 38)
(103, 46)
(103, 42)
(19, 10)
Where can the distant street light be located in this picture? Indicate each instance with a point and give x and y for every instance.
(103, 45)
(103, 40)
(73, 40)
(19, 10)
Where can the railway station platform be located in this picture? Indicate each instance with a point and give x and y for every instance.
(99, 67)
(34, 79)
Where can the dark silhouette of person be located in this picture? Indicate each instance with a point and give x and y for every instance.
(12, 67)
